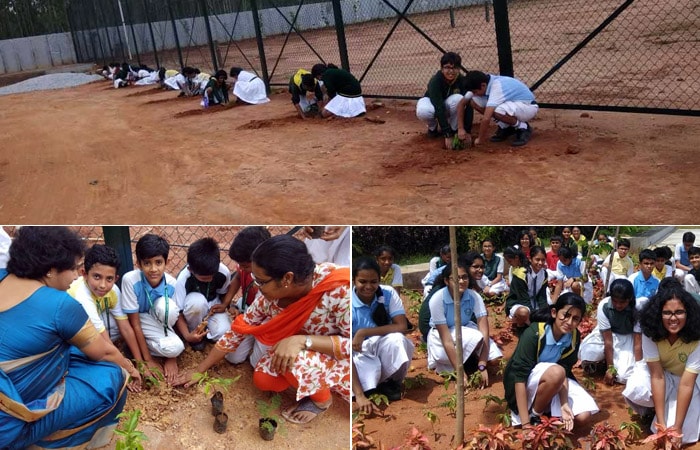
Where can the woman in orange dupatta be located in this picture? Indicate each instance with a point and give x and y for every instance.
(303, 313)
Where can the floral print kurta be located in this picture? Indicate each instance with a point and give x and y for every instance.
(313, 370)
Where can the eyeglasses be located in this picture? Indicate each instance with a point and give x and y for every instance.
(677, 313)
(450, 68)
(259, 283)
(462, 277)
(477, 267)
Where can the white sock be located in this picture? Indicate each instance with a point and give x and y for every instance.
(521, 125)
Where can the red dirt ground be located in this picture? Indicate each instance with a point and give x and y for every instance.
(93, 154)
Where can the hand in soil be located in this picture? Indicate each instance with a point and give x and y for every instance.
(171, 370)
(135, 385)
(364, 406)
(184, 379)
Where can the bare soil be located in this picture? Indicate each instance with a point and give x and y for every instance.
(392, 426)
(93, 154)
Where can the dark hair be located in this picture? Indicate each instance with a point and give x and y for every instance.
(693, 250)
(445, 249)
(689, 236)
(665, 252)
(307, 81)
(512, 252)
(623, 242)
(652, 322)
(281, 254)
(568, 298)
(451, 58)
(36, 250)
(669, 283)
(525, 233)
(151, 245)
(235, 71)
(101, 254)
(565, 252)
(221, 73)
(622, 288)
(483, 241)
(556, 238)
(245, 243)
(203, 257)
(465, 262)
(535, 249)
(384, 249)
(380, 315)
(189, 71)
(475, 78)
(318, 69)
(647, 254)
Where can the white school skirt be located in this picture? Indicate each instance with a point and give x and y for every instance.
(346, 106)
(471, 337)
(252, 92)
(580, 400)
(382, 358)
(593, 349)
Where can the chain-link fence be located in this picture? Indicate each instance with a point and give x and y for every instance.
(625, 55)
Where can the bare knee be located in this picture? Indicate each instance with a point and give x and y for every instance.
(582, 420)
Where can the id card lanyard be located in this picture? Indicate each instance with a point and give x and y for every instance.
(150, 302)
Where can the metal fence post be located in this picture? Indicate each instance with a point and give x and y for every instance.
(119, 239)
(73, 33)
(261, 45)
(177, 39)
(500, 21)
(150, 30)
(133, 34)
(340, 32)
(205, 13)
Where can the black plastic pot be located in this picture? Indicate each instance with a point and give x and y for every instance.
(220, 423)
(217, 403)
(267, 428)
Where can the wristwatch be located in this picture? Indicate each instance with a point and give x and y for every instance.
(481, 367)
(307, 343)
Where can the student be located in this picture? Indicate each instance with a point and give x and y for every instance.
(622, 265)
(535, 239)
(553, 254)
(440, 280)
(124, 76)
(571, 271)
(216, 91)
(662, 265)
(691, 280)
(528, 289)
(568, 240)
(514, 258)
(148, 300)
(538, 379)
(435, 265)
(476, 344)
(332, 245)
(381, 353)
(681, 255)
(438, 107)
(525, 243)
(580, 241)
(617, 338)
(343, 90)
(390, 272)
(307, 95)
(670, 324)
(248, 87)
(493, 270)
(505, 99)
(645, 285)
(198, 293)
(182, 81)
(241, 251)
(97, 292)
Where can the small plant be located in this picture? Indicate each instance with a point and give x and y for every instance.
(665, 438)
(450, 403)
(414, 299)
(634, 431)
(210, 384)
(588, 383)
(359, 440)
(503, 414)
(130, 437)
(422, 347)
(458, 144)
(606, 437)
(448, 377)
(497, 323)
(432, 417)
(502, 363)
(550, 434)
(417, 440)
(268, 420)
(417, 381)
(378, 399)
(497, 437)
(152, 380)
(474, 381)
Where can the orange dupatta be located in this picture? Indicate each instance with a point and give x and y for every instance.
(293, 317)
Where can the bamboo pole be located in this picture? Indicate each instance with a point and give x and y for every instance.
(459, 370)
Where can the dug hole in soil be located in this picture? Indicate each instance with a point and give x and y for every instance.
(425, 395)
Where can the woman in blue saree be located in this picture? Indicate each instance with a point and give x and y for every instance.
(61, 384)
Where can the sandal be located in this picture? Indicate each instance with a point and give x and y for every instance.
(305, 405)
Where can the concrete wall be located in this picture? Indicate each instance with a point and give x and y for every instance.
(36, 52)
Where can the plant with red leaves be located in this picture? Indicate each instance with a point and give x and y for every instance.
(665, 438)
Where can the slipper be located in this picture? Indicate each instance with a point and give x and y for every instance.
(305, 405)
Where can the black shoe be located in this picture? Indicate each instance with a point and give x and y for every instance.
(535, 420)
(199, 346)
(432, 134)
(392, 389)
(522, 136)
(502, 134)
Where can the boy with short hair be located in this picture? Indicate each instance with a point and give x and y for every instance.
(691, 281)
(553, 254)
(662, 266)
(100, 297)
(507, 100)
(622, 265)
(683, 265)
(438, 107)
(645, 285)
(198, 292)
(241, 251)
(148, 300)
(571, 270)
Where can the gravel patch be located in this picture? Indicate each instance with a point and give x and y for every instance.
(51, 81)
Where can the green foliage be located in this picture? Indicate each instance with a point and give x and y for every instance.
(458, 144)
(448, 377)
(417, 381)
(210, 384)
(152, 380)
(634, 431)
(502, 363)
(503, 414)
(422, 347)
(130, 438)
(431, 416)
(449, 403)
(588, 383)
(414, 299)
(379, 399)
(265, 408)
(474, 381)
